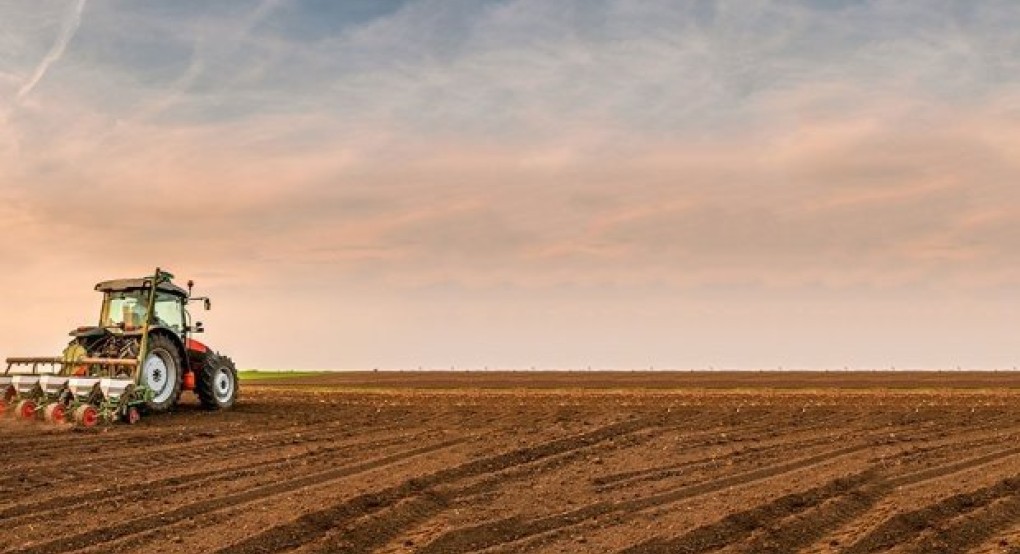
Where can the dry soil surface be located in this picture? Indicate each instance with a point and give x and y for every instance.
(455, 463)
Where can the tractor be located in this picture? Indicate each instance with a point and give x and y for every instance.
(138, 359)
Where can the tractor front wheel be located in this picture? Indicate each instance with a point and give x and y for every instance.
(161, 373)
(216, 385)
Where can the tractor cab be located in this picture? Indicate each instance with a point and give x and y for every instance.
(126, 304)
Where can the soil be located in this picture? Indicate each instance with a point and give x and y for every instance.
(545, 462)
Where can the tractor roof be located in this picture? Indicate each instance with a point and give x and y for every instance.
(118, 285)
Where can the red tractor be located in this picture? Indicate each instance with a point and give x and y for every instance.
(139, 358)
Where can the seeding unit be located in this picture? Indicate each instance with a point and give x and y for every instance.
(138, 359)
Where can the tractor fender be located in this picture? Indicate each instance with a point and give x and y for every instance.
(174, 338)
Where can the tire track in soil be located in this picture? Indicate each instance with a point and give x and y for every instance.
(92, 441)
(809, 516)
(622, 479)
(286, 438)
(493, 482)
(377, 529)
(525, 470)
(315, 525)
(182, 451)
(179, 441)
(413, 510)
(931, 474)
(489, 534)
(511, 526)
(738, 526)
(660, 473)
(705, 438)
(126, 528)
(607, 482)
(181, 456)
(131, 491)
(902, 527)
(500, 481)
(179, 427)
(973, 529)
(799, 530)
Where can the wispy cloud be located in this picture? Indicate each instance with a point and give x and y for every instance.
(67, 31)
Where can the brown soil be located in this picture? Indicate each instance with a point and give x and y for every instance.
(661, 379)
(456, 463)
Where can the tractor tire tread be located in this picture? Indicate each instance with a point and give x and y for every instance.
(205, 381)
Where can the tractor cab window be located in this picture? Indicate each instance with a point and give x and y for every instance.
(124, 309)
(169, 313)
(127, 309)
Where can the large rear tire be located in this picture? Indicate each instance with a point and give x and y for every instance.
(217, 383)
(162, 374)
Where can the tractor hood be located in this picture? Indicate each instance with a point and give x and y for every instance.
(91, 332)
(85, 332)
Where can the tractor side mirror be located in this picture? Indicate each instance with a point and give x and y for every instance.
(198, 327)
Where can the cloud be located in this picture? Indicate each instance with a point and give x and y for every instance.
(67, 32)
(666, 149)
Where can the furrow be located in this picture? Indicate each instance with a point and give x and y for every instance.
(93, 442)
(615, 480)
(506, 528)
(132, 491)
(906, 526)
(973, 529)
(376, 530)
(739, 526)
(833, 513)
(175, 444)
(786, 534)
(312, 526)
(137, 525)
(516, 528)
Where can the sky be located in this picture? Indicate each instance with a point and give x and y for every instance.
(471, 184)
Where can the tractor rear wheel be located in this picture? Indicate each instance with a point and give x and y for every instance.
(217, 383)
(161, 373)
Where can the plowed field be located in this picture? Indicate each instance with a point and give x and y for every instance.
(454, 463)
